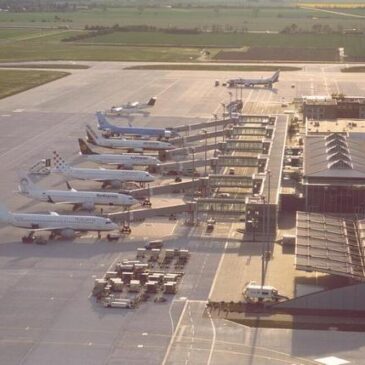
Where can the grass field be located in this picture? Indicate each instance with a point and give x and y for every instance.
(354, 44)
(48, 66)
(14, 81)
(261, 19)
(354, 69)
(213, 68)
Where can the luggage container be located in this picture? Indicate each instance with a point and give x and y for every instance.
(151, 286)
(134, 285)
(111, 274)
(170, 287)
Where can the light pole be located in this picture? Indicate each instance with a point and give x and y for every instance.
(224, 110)
(205, 151)
(268, 174)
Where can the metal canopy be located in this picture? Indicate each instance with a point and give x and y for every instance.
(218, 205)
(239, 181)
(329, 245)
(237, 161)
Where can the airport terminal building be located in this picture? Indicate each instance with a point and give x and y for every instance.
(334, 173)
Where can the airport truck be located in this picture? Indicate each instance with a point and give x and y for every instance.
(254, 293)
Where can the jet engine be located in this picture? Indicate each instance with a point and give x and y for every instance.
(88, 205)
(68, 233)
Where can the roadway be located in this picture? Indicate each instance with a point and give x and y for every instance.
(46, 314)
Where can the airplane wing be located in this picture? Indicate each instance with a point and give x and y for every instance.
(48, 229)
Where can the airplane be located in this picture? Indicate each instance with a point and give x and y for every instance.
(127, 160)
(65, 226)
(132, 145)
(268, 82)
(135, 107)
(115, 178)
(104, 125)
(80, 199)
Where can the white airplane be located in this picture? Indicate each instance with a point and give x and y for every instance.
(132, 145)
(62, 225)
(268, 82)
(80, 199)
(135, 107)
(127, 160)
(115, 178)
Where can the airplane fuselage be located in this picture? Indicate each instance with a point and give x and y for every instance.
(82, 197)
(62, 222)
(108, 175)
(123, 159)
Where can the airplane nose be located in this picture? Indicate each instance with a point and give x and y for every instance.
(115, 226)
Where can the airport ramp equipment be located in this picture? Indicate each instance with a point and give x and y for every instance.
(198, 184)
(140, 214)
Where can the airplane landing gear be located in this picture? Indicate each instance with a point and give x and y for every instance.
(29, 238)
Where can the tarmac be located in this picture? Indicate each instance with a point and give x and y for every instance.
(46, 312)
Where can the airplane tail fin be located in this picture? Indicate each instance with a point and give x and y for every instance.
(26, 185)
(85, 149)
(4, 214)
(102, 121)
(92, 137)
(60, 165)
(275, 77)
(152, 101)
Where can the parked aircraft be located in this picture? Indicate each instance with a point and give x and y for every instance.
(268, 82)
(132, 145)
(104, 125)
(135, 107)
(115, 178)
(79, 199)
(62, 225)
(126, 160)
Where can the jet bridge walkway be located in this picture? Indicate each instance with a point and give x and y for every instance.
(181, 141)
(196, 184)
(140, 214)
(210, 124)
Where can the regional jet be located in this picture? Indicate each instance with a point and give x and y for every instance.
(268, 82)
(126, 160)
(104, 125)
(65, 226)
(135, 107)
(79, 199)
(115, 178)
(132, 145)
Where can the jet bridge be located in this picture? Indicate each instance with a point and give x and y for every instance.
(140, 214)
(181, 141)
(210, 124)
(182, 166)
(196, 185)
(171, 154)
(230, 181)
(252, 130)
(244, 145)
(221, 206)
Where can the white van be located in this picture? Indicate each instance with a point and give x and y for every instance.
(257, 293)
(153, 244)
